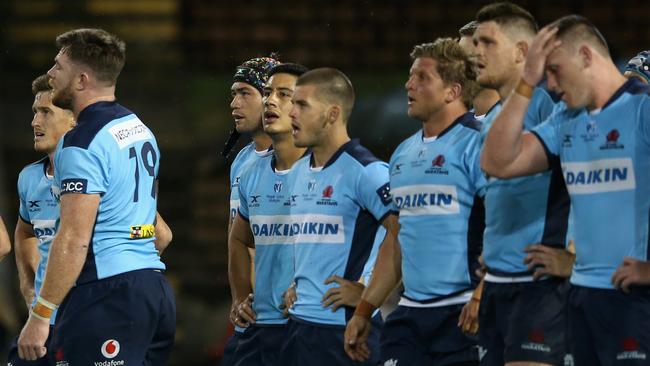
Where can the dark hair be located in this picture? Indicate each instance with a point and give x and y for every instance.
(97, 49)
(332, 85)
(288, 68)
(453, 65)
(508, 15)
(468, 29)
(41, 84)
(572, 27)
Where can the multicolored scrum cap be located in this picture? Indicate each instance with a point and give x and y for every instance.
(640, 65)
(255, 71)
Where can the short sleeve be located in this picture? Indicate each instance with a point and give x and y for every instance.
(243, 197)
(540, 108)
(81, 170)
(23, 212)
(473, 165)
(373, 190)
(644, 120)
(549, 135)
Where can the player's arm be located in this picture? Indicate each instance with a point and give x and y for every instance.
(27, 258)
(239, 273)
(385, 277)
(163, 234)
(5, 243)
(508, 152)
(70, 245)
(67, 256)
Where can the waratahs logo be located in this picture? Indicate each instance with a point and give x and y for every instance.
(611, 141)
(439, 161)
(328, 192)
(327, 197)
(437, 166)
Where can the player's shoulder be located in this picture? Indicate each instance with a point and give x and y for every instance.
(358, 153)
(96, 117)
(34, 169)
(259, 166)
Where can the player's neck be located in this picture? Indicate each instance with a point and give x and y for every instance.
(328, 147)
(82, 101)
(443, 118)
(285, 152)
(506, 89)
(261, 140)
(605, 87)
(50, 164)
(484, 101)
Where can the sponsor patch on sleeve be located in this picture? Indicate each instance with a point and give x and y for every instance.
(384, 194)
(74, 185)
(143, 231)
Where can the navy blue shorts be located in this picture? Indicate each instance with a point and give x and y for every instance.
(523, 322)
(127, 319)
(229, 350)
(322, 345)
(260, 345)
(14, 360)
(426, 336)
(609, 327)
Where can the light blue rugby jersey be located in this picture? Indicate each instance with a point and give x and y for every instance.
(605, 158)
(113, 154)
(266, 198)
(334, 224)
(39, 208)
(246, 156)
(527, 210)
(436, 187)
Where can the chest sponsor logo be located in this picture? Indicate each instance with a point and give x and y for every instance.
(44, 229)
(426, 199)
(289, 229)
(128, 132)
(599, 176)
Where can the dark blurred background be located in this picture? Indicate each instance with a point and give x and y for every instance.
(181, 55)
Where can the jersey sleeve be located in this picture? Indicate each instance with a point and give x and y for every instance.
(644, 120)
(243, 197)
(540, 108)
(82, 171)
(548, 134)
(393, 206)
(473, 166)
(23, 212)
(373, 190)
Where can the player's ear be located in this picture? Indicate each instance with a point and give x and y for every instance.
(82, 81)
(454, 91)
(586, 55)
(521, 49)
(334, 113)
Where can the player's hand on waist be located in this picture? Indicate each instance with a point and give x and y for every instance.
(347, 294)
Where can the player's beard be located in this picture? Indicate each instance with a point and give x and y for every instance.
(63, 98)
